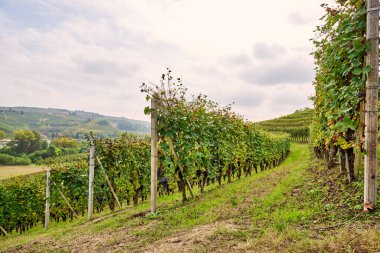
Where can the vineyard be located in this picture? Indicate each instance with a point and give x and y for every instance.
(296, 124)
(345, 127)
(304, 182)
(200, 144)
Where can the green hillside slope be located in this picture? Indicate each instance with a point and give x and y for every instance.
(297, 124)
(55, 122)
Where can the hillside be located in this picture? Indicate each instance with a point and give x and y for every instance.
(55, 122)
(286, 209)
(296, 124)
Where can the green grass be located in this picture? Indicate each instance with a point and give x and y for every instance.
(278, 210)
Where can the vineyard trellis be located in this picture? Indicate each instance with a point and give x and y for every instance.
(371, 107)
(200, 137)
(198, 143)
(347, 38)
(296, 124)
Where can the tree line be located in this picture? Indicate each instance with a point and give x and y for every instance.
(28, 147)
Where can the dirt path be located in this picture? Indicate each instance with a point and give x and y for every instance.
(202, 238)
(226, 235)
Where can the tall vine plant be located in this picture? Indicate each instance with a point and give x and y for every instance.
(340, 50)
(198, 138)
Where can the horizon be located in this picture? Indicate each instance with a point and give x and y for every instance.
(70, 110)
(146, 121)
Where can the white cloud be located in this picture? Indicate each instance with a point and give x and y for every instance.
(292, 70)
(263, 51)
(297, 18)
(93, 55)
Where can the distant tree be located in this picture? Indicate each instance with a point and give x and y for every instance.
(65, 142)
(2, 135)
(27, 141)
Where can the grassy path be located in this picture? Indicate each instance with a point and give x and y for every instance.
(272, 211)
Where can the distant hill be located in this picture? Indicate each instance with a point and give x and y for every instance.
(56, 122)
(297, 124)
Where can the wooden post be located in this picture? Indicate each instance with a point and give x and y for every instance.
(190, 188)
(109, 182)
(153, 156)
(91, 181)
(47, 204)
(171, 146)
(348, 167)
(370, 159)
(3, 230)
(340, 162)
(359, 158)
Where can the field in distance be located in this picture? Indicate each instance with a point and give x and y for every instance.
(13, 171)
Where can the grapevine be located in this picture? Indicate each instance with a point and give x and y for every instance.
(340, 50)
(199, 143)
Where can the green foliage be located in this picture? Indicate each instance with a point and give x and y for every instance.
(23, 198)
(65, 142)
(296, 124)
(127, 164)
(198, 137)
(21, 202)
(2, 135)
(11, 160)
(126, 160)
(27, 141)
(63, 159)
(340, 50)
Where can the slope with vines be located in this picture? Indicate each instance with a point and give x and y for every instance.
(296, 124)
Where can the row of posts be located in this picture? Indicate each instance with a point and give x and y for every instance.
(90, 210)
(371, 128)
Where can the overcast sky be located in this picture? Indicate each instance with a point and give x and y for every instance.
(93, 55)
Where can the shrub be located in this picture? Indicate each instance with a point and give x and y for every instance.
(11, 160)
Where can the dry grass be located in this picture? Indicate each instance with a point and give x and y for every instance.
(13, 171)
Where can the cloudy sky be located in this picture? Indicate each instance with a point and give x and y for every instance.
(93, 55)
